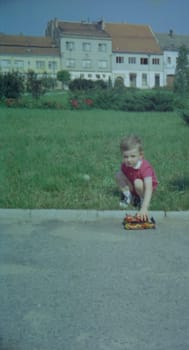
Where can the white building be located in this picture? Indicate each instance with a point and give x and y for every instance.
(137, 58)
(170, 44)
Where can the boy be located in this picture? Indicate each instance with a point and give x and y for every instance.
(136, 179)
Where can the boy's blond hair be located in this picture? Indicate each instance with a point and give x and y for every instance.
(130, 142)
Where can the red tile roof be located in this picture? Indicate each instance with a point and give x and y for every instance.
(27, 45)
(132, 38)
(82, 28)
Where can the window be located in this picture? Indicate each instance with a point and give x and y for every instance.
(102, 64)
(155, 61)
(5, 63)
(18, 64)
(102, 47)
(87, 47)
(144, 79)
(70, 45)
(86, 63)
(52, 65)
(132, 79)
(40, 64)
(70, 63)
(169, 60)
(144, 60)
(132, 60)
(119, 59)
(157, 80)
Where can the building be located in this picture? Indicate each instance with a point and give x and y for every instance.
(85, 48)
(23, 53)
(130, 53)
(170, 44)
(101, 50)
(137, 58)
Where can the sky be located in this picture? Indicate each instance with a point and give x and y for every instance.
(30, 17)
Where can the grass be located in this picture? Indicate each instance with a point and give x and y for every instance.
(45, 154)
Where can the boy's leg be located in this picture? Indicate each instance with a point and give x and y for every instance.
(139, 187)
(122, 181)
(139, 193)
(125, 187)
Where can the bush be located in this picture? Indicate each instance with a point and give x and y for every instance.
(107, 99)
(11, 85)
(87, 84)
(134, 100)
(185, 116)
(161, 101)
(81, 102)
(81, 84)
(1, 85)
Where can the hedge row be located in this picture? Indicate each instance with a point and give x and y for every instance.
(125, 100)
(115, 99)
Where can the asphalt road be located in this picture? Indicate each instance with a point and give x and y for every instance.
(94, 286)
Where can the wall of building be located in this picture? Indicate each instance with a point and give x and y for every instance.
(39, 64)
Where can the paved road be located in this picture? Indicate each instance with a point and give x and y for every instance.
(94, 286)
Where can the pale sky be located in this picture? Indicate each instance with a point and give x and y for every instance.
(31, 17)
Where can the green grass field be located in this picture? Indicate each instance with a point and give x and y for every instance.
(45, 155)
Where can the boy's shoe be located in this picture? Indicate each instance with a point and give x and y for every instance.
(125, 200)
(136, 201)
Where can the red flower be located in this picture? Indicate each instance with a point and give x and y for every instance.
(89, 102)
(74, 103)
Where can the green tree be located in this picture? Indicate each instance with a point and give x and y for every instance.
(48, 83)
(12, 85)
(1, 85)
(34, 85)
(181, 83)
(64, 77)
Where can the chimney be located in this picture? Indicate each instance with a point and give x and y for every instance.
(171, 33)
(101, 24)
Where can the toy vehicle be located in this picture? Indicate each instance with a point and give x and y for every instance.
(136, 223)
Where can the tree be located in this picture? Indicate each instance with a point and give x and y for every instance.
(34, 85)
(48, 83)
(1, 85)
(12, 85)
(181, 83)
(64, 77)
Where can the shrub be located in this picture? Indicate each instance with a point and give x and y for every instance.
(64, 77)
(81, 84)
(1, 85)
(161, 101)
(51, 105)
(12, 85)
(81, 102)
(74, 103)
(185, 115)
(10, 102)
(34, 85)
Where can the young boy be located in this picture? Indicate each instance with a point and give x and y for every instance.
(136, 179)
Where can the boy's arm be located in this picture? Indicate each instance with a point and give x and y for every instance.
(143, 213)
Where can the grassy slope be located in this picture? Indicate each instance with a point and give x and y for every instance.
(44, 155)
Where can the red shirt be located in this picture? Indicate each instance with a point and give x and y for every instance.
(141, 171)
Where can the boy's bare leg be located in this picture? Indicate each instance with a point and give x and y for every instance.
(123, 183)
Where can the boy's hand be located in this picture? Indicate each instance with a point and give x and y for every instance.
(143, 215)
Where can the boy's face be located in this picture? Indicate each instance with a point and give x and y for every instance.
(131, 157)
